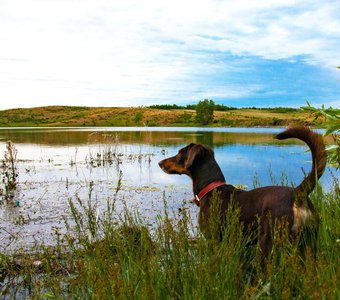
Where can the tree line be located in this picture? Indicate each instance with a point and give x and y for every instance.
(205, 109)
(222, 107)
(218, 107)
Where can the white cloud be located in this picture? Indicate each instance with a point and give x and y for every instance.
(96, 52)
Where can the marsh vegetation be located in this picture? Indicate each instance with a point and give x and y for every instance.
(97, 219)
(105, 255)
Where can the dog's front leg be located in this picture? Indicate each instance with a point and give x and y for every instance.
(265, 239)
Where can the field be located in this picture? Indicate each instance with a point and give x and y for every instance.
(143, 116)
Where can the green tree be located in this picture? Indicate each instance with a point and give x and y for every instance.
(205, 111)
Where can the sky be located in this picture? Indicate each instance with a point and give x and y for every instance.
(239, 53)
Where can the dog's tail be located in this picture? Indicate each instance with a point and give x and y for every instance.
(319, 157)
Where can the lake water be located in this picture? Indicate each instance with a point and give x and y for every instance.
(58, 164)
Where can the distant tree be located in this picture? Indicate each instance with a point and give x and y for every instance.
(222, 107)
(205, 111)
(191, 106)
(167, 106)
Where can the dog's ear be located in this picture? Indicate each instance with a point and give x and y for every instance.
(196, 151)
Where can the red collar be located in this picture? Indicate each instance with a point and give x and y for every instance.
(208, 188)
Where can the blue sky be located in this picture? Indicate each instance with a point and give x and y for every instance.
(132, 53)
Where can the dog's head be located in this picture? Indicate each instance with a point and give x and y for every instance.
(186, 159)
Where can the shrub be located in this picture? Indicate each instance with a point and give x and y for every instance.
(183, 118)
(138, 117)
(205, 112)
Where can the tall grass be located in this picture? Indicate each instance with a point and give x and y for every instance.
(105, 256)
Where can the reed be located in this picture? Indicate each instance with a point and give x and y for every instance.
(9, 171)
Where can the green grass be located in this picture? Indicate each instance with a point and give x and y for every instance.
(102, 257)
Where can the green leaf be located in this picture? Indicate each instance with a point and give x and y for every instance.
(332, 127)
(332, 148)
(308, 108)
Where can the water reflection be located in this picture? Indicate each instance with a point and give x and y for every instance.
(153, 136)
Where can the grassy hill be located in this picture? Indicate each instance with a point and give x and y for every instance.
(144, 116)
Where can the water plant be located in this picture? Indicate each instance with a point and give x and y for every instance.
(9, 170)
(108, 152)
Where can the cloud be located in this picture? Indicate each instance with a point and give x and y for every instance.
(136, 52)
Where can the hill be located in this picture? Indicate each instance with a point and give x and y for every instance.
(147, 116)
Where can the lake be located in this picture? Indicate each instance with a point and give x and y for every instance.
(58, 164)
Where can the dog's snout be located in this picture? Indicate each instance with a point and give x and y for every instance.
(162, 165)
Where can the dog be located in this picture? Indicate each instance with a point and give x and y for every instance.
(259, 208)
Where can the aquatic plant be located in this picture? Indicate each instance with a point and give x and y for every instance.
(9, 170)
(108, 152)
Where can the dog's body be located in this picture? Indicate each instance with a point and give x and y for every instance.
(260, 207)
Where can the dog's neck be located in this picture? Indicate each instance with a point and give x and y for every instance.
(204, 174)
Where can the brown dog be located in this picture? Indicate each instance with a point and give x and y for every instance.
(260, 207)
